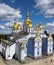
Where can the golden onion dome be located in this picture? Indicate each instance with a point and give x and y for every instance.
(27, 21)
(18, 27)
(15, 25)
(30, 25)
(41, 26)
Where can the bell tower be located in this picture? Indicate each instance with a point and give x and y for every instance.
(27, 25)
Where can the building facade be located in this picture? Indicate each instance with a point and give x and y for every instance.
(25, 42)
(47, 45)
(27, 25)
(8, 49)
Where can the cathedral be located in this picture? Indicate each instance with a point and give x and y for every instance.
(27, 25)
(26, 41)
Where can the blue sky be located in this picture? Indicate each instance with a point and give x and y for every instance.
(15, 10)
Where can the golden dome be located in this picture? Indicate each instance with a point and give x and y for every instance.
(15, 25)
(27, 21)
(18, 27)
(41, 26)
(30, 25)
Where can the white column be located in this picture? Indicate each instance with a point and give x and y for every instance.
(35, 52)
(38, 47)
(22, 54)
(50, 47)
(7, 53)
(30, 29)
(0, 47)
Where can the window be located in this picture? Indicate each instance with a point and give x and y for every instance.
(25, 47)
(50, 50)
(38, 43)
(38, 51)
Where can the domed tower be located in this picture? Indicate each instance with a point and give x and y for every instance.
(42, 30)
(40, 26)
(16, 27)
(27, 26)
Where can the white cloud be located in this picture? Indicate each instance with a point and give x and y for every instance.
(43, 4)
(46, 6)
(9, 13)
(2, 27)
(10, 24)
(49, 27)
(50, 24)
(5, 30)
(7, 27)
(49, 13)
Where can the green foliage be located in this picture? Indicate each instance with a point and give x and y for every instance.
(4, 36)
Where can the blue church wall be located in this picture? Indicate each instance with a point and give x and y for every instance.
(44, 46)
(53, 45)
(30, 48)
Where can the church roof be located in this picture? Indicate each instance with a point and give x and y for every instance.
(16, 26)
(30, 25)
(28, 22)
(40, 26)
(7, 43)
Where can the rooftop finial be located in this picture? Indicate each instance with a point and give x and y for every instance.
(27, 15)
